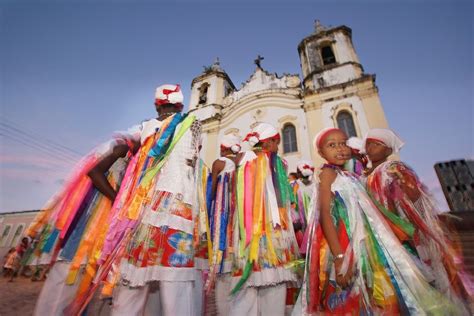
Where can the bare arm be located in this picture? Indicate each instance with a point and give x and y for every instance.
(327, 177)
(97, 174)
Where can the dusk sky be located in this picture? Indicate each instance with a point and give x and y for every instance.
(73, 72)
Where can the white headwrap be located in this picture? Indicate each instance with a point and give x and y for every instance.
(231, 141)
(261, 132)
(320, 136)
(356, 143)
(169, 93)
(387, 137)
(305, 167)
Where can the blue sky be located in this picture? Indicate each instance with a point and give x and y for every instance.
(72, 72)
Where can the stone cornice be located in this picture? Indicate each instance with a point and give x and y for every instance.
(330, 67)
(210, 125)
(362, 89)
(324, 33)
(241, 108)
(287, 118)
(344, 85)
(219, 74)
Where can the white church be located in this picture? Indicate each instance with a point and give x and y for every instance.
(332, 91)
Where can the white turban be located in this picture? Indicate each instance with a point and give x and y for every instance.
(356, 143)
(169, 93)
(305, 167)
(231, 141)
(387, 137)
(320, 136)
(260, 133)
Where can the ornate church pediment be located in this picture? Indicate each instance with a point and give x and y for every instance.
(262, 80)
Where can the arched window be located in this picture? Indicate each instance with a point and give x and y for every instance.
(328, 55)
(4, 237)
(289, 139)
(203, 93)
(18, 232)
(346, 123)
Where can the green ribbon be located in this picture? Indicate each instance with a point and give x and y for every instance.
(150, 173)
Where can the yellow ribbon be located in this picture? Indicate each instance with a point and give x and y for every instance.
(258, 206)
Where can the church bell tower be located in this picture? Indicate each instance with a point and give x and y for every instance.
(337, 91)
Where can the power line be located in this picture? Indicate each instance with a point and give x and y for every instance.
(13, 132)
(37, 147)
(27, 140)
(19, 129)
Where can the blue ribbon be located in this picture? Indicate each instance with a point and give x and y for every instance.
(162, 144)
(51, 241)
(72, 242)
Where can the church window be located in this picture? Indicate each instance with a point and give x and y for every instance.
(6, 232)
(289, 139)
(203, 93)
(346, 123)
(17, 235)
(328, 55)
(228, 90)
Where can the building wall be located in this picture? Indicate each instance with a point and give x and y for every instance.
(276, 111)
(17, 220)
(266, 97)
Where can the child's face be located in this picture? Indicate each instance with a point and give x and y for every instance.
(334, 149)
(377, 151)
(271, 145)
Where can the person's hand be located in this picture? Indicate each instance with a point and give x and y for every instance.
(343, 280)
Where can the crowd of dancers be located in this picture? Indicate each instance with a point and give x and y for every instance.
(144, 221)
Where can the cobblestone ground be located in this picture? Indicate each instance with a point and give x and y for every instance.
(19, 298)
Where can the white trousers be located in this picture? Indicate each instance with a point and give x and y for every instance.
(166, 299)
(198, 289)
(55, 294)
(223, 288)
(259, 301)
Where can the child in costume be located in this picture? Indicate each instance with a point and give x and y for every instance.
(221, 218)
(14, 259)
(355, 265)
(65, 231)
(358, 161)
(8, 264)
(263, 240)
(411, 212)
(304, 190)
(150, 240)
(150, 235)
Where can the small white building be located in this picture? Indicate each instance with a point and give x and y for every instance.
(12, 227)
(333, 91)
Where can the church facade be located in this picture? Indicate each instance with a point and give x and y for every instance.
(333, 91)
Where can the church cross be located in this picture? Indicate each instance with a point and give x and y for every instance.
(258, 61)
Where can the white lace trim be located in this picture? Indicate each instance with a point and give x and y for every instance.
(267, 277)
(159, 219)
(134, 276)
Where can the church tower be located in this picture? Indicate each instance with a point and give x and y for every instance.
(331, 91)
(209, 89)
(208, 93)
(337, 92)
